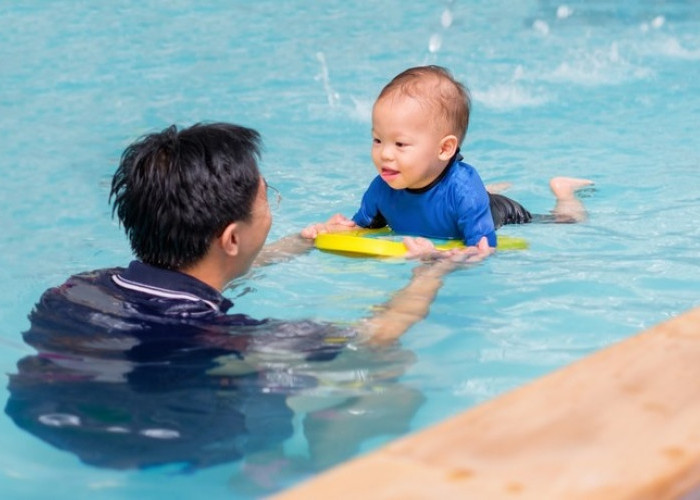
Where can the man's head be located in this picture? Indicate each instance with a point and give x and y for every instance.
(418, 121)
(176, 191)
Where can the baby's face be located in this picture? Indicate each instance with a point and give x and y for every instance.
(406, 142)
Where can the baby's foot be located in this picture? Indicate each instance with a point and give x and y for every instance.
(565, 187)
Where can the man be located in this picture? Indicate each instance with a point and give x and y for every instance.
(147, 365)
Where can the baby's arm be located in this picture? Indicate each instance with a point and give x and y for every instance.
(335, 224)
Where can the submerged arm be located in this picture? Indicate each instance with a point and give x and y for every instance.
(408, 306)
(283, 250)
(296, 244)
(411, 304)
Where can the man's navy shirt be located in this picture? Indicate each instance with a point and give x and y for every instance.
(141, 366)
(155, 306)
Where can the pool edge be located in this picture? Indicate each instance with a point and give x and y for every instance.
(628, 428)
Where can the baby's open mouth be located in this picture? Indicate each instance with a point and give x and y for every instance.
(388, 173)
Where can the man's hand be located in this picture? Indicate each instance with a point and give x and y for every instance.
(424, 249)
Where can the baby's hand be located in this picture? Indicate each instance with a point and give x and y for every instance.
(472, 254)
(335, 224)
(424, 249)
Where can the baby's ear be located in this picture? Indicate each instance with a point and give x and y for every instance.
(448, 147)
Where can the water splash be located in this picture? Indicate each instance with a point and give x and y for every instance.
(604, 66)
(508, 96)
(446, 20)
(672, 47)
(332, 96)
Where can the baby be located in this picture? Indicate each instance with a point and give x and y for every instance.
(424, 188)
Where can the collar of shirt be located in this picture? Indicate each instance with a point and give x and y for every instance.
(457, 157)
(168, 284)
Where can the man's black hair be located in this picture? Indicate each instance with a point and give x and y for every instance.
(176, 190)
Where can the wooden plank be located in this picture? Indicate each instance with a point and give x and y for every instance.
(621, 423)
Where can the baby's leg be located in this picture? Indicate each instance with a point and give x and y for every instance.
(568, 207)
(497, 187)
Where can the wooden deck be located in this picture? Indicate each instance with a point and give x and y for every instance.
(621, 423)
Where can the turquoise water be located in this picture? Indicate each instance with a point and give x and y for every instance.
(605, 90)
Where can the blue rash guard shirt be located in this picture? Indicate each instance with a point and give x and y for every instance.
(453, 206)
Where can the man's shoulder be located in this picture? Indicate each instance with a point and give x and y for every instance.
(92, 278)
(91, 307)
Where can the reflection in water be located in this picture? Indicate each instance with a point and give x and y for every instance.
(124, 393)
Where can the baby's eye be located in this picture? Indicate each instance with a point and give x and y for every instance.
(376, 141)
(400, 144)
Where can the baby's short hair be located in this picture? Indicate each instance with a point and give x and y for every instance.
(436, 86)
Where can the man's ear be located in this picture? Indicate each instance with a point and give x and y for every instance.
(229, 240)
(448, 147)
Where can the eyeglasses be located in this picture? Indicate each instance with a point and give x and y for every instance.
(274, 197)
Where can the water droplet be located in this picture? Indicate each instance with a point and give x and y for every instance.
(541, 27)
(658, 22)
(446, 18)
(435, 43)
(564, 11)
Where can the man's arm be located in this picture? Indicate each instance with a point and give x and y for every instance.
(408, 306)
(290, 246)
(412, 303)
(283, 250)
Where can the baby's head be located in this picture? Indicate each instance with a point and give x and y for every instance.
(444, 99)
(418, 123)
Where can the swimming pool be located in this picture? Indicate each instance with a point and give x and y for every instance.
(599, 90)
